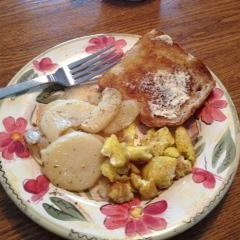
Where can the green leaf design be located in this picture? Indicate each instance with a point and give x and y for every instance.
(58, 214)
(66, 211)
(30, 74)
(220, 147)
(230, 154)
(200, 149)
(47, 95)
(68, 208)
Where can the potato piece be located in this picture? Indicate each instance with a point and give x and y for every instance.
(130, 134)
(138, 153)
(171, 152)
(184, 144)
(73, 161)
(134, 169)
(114, 174)
(161, 170)
(161, 135)
(183, 167)
(87, 93)
(136, 180)
(98, 119)
(109, 171)
(99, 192)
(159, 140)
(123, 170)
(157, 148)
(146, 188)
(127, 113)
(115, 151)
(61, 115)
(164, 134)
(121, 192)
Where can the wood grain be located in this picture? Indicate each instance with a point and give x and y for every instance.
(208, 29)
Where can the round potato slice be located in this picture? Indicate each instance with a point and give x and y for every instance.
(127, 113)
(104, 112)
(61, 115)
(73, 161)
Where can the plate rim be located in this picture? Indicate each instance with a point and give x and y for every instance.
(52, 227)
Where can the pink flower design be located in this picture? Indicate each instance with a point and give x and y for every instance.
(12, 140)
(99, 43)
(212, 108)
(135, 218)
(45, 65)
(205, 177)
(38, 187)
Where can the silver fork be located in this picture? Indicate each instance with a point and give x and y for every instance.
(78, 72)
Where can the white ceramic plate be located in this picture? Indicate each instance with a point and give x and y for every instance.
(80, 217)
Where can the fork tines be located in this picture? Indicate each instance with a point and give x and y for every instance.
(95, 64)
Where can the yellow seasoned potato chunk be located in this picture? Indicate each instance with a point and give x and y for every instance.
(136, 180)
(115, 151)
(109, 171)
(171, 152)
(146, 188)
(161, 170)
(138, 153)
(159, 140)
(157, 148)
(150, 136)
(183, 168)
(164, 134)
(134, 169)
(130, 134)
(184, 144)
(121, 192)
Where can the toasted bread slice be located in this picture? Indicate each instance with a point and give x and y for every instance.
(169, 83)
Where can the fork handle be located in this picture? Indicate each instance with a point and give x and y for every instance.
(20, 87)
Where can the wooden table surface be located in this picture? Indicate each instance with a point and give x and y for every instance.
(210, 29)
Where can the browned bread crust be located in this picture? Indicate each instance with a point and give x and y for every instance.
(169, 83)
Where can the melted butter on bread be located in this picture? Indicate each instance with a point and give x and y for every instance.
(169, 91)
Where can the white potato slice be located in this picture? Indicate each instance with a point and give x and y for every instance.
(61, 115)
(89, 93)
(73, 161)
(104, 112)
(127, 113)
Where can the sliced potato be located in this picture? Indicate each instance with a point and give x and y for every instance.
(128, 112)
(61, 115)
(88, 93)
(73, 161)
(97, 119)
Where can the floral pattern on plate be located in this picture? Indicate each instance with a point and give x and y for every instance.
(37, 187)
(212, 108)
(135, 218)
(12, 140)
(45, 65)
(101, 42)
